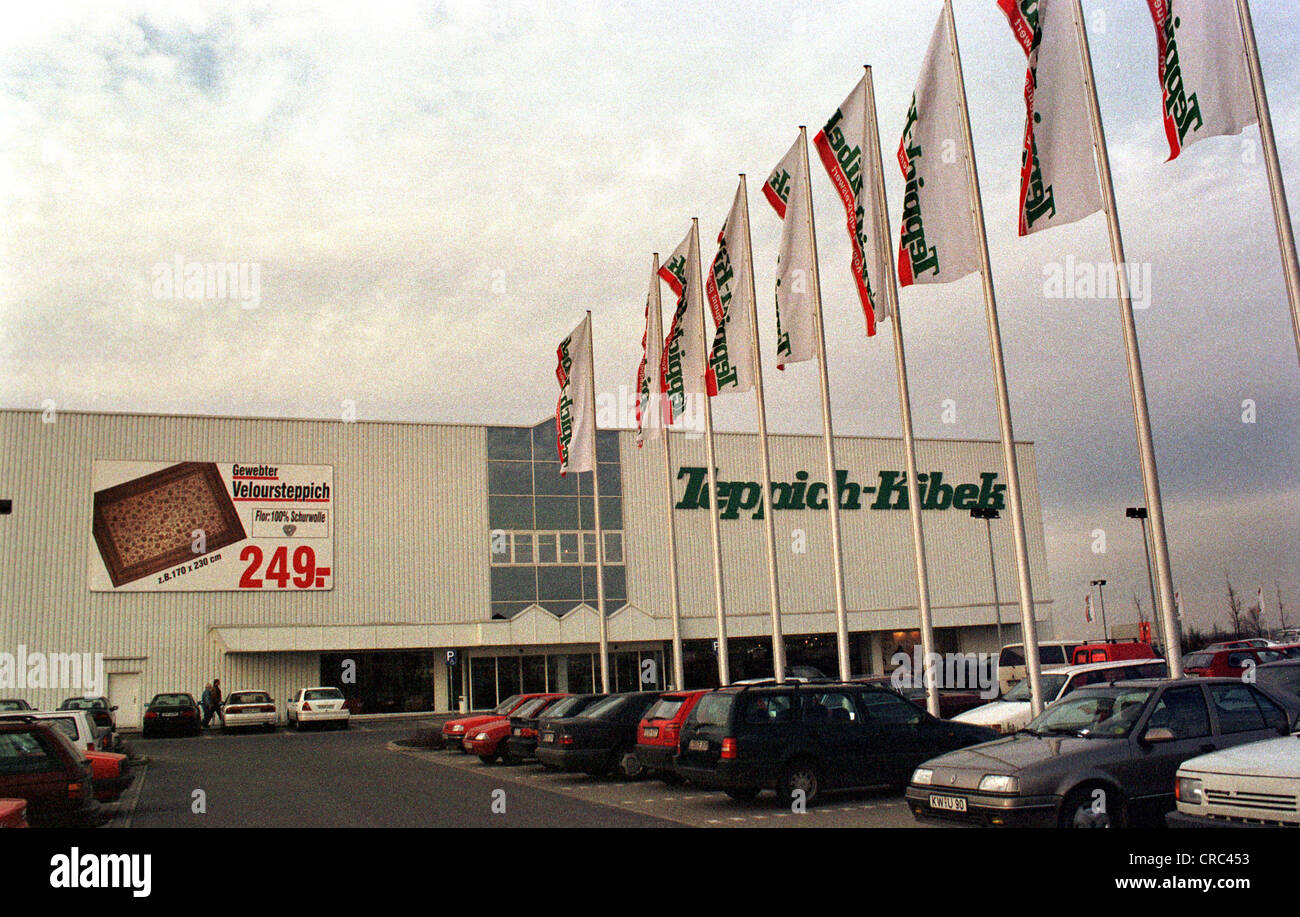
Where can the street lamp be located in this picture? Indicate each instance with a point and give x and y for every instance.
(1100, 584)
(1140, 512)
(988, 515)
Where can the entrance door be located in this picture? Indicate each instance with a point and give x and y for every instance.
(124, 694)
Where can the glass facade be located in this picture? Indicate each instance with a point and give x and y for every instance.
(494, 678)
(542, 538)
(393, 681)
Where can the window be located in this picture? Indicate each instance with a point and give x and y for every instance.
(884, 708)
(546, 550)
(1237, 710)
(831, 707)
(1181, 711)
(23, 753)
(613, 547)
(523, 548)
(568, 547)
(767, 709)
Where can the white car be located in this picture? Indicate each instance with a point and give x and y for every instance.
(1013, 712)
(1253, 784)
(317, 705)
(75, 724)
(248, 709)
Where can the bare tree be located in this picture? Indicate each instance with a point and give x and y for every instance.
(1235, 607)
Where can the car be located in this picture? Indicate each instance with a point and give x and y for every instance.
(39, 764)
(75, 724)
(522, 744)
(171, 712)
(1103, 757)
(659, 730)
(110, 773)
(1256, 784)
(102, 712)
(14, 703)
(600, 740)
(1288, 650)
(952, 701)
(1014, 711)
(13, 813)
(802, 740)
(1228, 663)
(1281, 678)
(1112, 651)
(317, 705)
(1244, 644)
(1011, 660)
(490, 740)
(249, 710)
(453, 731)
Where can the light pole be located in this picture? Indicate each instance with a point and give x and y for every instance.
(988, 515)
(1101, 590)
(1140, 512)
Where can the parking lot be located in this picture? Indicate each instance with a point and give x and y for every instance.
(362, 778)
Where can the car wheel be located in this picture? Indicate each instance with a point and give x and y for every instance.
(1093, 807)
(627, 765)
(799, 775)
(743, 794)
(297, 724)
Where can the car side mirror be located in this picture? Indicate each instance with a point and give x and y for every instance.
(112, 708)
(1158, 734)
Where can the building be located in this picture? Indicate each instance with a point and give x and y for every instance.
(425, 566)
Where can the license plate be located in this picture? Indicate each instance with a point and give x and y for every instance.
(698, 745)
(948, 803)
(516, 731)
(166, 715)
(650, 732)
(548, 737)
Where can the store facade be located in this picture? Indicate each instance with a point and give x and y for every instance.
(434, 566)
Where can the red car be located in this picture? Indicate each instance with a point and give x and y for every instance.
(39, 763)
(1112, 652)
(659, 730)
(13, 813)
(490, 740)
(454, 731)
(1227, 663)
(111, 774)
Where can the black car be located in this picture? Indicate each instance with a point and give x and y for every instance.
(522, 742)
(809, 738)
(171, 713)
(1103, 756)
(101, 713)
(599, 740)
(14, 703)
(1280, 679)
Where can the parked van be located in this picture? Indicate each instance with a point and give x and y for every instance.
(1011, 661)
(1013, 712)
(1113, 652)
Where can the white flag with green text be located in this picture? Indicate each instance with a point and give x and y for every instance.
(575, 422)
(786, 189)
(731, 358)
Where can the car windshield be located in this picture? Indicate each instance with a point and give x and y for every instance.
(561, 707)
(13, 705)
(602, 707)
(82, 703)
(532, 706)
(1284, 679)
(324, 694)
(506, 705)
(172, 700)
(249, 697)
(665, 708)
(1198, 661)
(1093, 712)
(1052, 685)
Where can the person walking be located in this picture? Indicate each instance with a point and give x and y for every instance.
(205, 704)
(216, 698)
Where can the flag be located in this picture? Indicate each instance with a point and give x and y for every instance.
(1259, 597)
(842, 147)
(681, 368)
(731, 359)
(649, 413)
(937, 237)
(1087, 609)
(1204, 85)
(787, 190)
(1178, 605)
(1058, 172)
(575, 423)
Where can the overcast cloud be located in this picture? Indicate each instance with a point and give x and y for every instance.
(433, 193)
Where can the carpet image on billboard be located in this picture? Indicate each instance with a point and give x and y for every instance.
(147, 525)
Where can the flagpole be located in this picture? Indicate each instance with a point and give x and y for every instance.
(1281, 214)
(828, 435)
(1028, 626)
(655, 326)
(765, 461)
(710, 460)
(600, 541)
(1137, 385)
(881, 217)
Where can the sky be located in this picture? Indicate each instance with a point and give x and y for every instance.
(431, 194)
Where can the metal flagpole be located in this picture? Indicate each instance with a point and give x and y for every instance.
(1281, 214)
(656, 325)
(600, 541)
(1029, 627)
(1137, 386)
(765, 461)
(883, 241)
(828, 435)
(715, 537)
